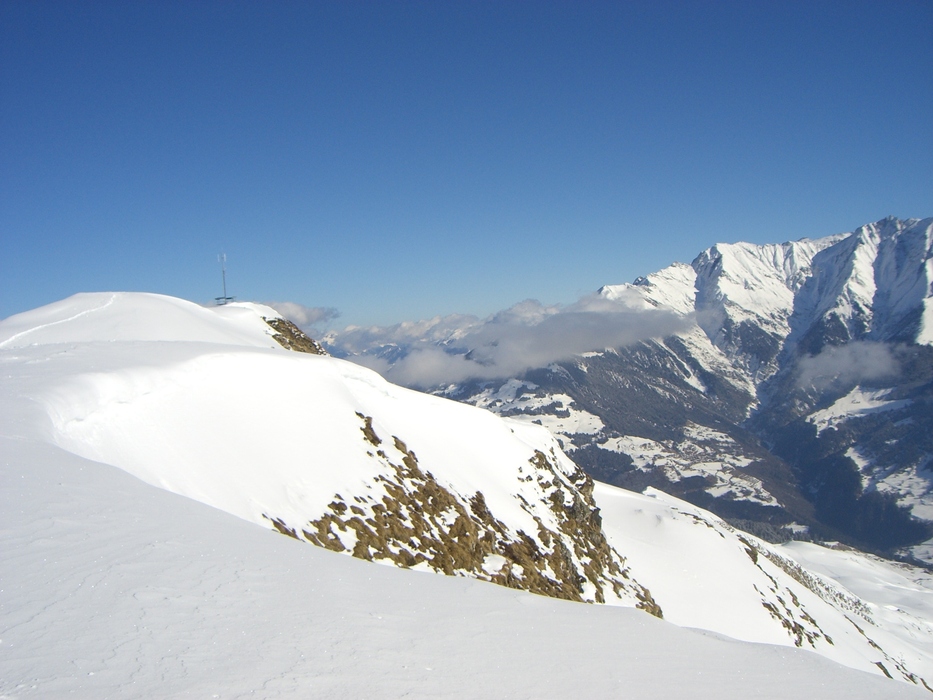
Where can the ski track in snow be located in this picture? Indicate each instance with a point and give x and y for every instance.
(29, 331)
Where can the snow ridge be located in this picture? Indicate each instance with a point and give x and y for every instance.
(325, 451)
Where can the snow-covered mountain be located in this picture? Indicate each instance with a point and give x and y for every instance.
(795, 394)
(323, 450)
(212, 405)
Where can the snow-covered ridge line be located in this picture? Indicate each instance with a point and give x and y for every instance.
(329, 452)
(13, 336)
(522, 516)
(138, 317)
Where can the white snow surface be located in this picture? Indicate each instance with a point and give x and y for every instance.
(111, 588)
(896, 587)
(757, 283)
(701, 452)
(671, 288)
(557, 412)
(122, 316)
(858, 402)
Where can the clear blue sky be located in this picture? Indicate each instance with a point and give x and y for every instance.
(398, 160)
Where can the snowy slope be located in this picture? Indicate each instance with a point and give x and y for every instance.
(325, 451)
(123, 317)
(113, 589)
(735, 584)
(745, 296)
(320, 448)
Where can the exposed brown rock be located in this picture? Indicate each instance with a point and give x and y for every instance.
(291, 337)
(413, 519)
(369, 433)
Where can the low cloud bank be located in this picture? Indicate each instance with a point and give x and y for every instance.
(305, 317)
(853, 363)
(440, 329)
(528, 335)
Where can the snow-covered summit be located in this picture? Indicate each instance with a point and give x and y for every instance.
(205, 402)
(749, 299)
(136, 316)
(671, 288)
(874, 284)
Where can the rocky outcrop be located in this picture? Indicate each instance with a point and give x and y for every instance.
(408, 517)
(291, 337)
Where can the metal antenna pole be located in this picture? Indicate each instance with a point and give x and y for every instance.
(222, 259)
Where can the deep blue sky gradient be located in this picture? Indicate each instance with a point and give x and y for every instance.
(399, 160)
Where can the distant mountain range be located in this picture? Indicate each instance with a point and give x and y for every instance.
(786, 387)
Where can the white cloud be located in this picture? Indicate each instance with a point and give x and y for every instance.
(859, 361)
(440, 329)
(304, 316)
(523, 337)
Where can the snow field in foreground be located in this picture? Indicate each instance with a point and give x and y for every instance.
(112, 589)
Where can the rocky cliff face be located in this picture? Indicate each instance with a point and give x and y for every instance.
(405, 516)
